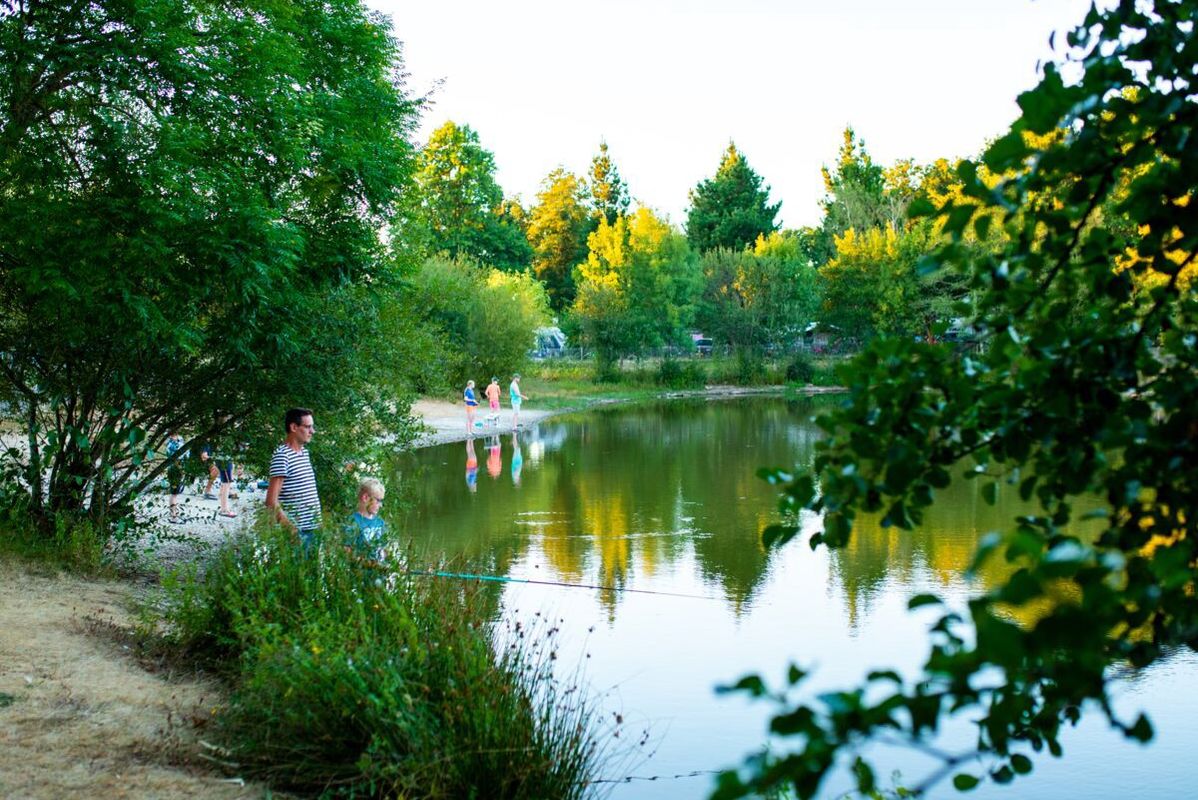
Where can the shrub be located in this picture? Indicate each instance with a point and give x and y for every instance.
(750, 367)
(376, 683)
(800, 369)
(680, 375)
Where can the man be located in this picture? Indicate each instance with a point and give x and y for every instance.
(292, 488)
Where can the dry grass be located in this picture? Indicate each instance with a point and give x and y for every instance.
(79, 714)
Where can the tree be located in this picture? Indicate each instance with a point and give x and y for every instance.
(752, 298)
(855, 196)
(609, 193)
(1062, 403)
(873, 285)
(557, 230)
(485, 320)
(463, 205)
(184, 192)
(638, 287)
(730, 209)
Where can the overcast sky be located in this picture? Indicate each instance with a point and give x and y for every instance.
(667, 83)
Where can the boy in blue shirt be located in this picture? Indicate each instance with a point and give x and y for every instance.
(366, 531)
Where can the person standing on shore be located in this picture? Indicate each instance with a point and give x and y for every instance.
(291, 493)
(471, 405)
(516, 398)
(492, 393)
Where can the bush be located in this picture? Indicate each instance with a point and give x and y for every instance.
(679, 375)
(378, 684)
(800, 370)
(750, 368)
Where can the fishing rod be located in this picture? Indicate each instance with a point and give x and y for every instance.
(501, 579)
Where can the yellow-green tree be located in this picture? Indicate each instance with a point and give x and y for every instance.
(638, 286)
(557, 231)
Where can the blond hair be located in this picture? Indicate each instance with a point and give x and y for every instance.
(373, 487)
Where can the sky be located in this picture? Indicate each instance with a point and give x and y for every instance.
(669, 83)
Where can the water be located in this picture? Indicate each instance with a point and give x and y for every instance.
(664, 497)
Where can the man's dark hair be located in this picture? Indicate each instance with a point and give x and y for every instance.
(294, 416)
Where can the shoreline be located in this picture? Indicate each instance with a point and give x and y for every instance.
(446, 421)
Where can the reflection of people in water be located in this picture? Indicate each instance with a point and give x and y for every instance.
(517, 459)
(471, 465)
(494, 457)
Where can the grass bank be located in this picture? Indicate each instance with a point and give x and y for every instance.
(572, 383)
(348, 680)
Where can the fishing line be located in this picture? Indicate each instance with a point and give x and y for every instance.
(500, 579)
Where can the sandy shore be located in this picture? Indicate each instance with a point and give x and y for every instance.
(446, 422)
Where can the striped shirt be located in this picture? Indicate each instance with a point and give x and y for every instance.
(298, 498)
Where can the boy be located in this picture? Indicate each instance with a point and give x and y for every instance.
(366, 531)
(492, 393)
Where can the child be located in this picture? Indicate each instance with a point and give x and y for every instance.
(517, 398)
(366, 530)
(493, 397)
(174, 475)
(471, 405)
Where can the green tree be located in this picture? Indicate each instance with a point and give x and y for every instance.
(191, 200)
(463, 205)
(484, 319)
(609, 192)
(1062, 403)
(558, 226)
(874, 285)
(638, 287)
(730, 209)
(756, 297)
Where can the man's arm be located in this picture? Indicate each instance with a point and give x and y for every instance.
(272, 500)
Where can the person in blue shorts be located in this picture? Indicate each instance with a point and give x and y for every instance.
(471, 405)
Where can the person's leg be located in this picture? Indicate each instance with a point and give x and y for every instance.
(232, 482)
(469, 418)
(226, 483)
(212, 473)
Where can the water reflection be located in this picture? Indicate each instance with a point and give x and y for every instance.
(665, 497)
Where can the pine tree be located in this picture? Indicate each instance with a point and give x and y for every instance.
(732, 208)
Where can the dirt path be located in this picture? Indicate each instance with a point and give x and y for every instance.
(79, 716)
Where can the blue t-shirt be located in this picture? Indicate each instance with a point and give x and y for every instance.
(469, 395)
(366, 534)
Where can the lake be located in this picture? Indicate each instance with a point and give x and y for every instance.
(663, 498)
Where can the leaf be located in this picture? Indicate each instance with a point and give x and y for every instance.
(964, 782)
(1021, 764)
(1141, 731)
(923, 600)
(777, 535)
(750, 684)
(990, 492)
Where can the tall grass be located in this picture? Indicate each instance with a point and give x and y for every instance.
(346, 680)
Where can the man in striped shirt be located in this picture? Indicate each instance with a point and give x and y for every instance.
(292, 490)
